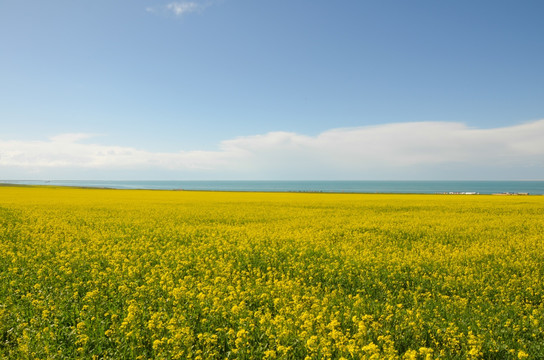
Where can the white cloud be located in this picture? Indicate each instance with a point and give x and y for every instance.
(392, 151)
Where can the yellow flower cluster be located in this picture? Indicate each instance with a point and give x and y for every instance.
(121, 274)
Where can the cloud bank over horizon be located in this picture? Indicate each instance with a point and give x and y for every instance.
(395, 151)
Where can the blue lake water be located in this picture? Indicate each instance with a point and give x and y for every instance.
(416, 187)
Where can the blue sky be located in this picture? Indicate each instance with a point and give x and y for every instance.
(239, 89)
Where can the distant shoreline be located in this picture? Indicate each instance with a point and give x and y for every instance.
(296, 186)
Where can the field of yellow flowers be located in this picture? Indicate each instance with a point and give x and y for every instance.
(122, 274)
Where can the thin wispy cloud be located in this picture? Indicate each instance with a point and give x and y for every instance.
(392, 151)
(73, 137)
(179, 8)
